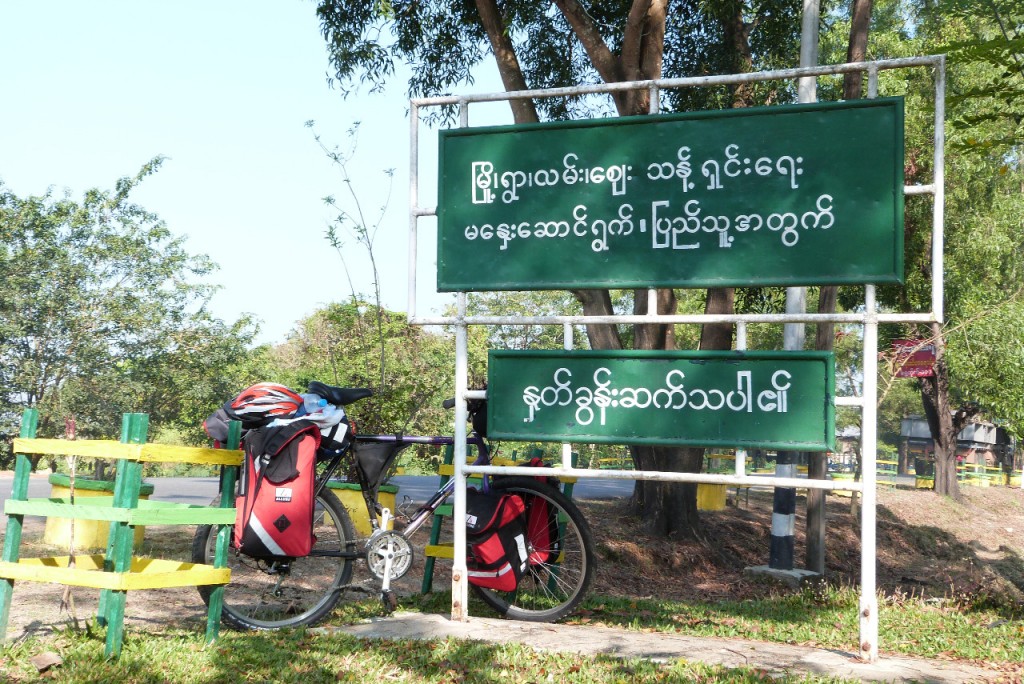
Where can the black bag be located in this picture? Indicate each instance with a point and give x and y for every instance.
(496, 539)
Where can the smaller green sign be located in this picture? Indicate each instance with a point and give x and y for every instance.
(768, 400)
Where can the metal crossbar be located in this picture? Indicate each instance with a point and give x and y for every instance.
(869, 318)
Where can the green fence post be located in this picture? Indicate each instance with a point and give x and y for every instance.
(12, 538)
(134, 427)
(435, 529)
(229, 476)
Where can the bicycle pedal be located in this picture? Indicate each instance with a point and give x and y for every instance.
(390, 601)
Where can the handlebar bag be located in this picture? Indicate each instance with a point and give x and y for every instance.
(274, 506)
(496, 539)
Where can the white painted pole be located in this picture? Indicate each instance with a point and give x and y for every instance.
(414, 200)
(567, 344)
(460, 582)
(939, 203)
(868, 520)
(741, 454)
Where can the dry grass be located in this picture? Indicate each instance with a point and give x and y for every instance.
(927, 545)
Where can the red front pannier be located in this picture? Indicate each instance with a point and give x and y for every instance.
(275, 498)
(496, 537)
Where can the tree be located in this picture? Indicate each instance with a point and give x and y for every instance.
(95, 297)
(338, 344)
(978, 348)
(539, 46)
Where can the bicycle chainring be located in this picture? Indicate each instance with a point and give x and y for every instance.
(391, 544)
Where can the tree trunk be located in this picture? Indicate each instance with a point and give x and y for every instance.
(671, 509)
(903, 459)
(824, 338)
(668, 509)
(943, 423)
(935, 398)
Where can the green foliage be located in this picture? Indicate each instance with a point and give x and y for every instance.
(102, 311)
(983, 38)
(442, 42)
(537, 303)
(339, 345)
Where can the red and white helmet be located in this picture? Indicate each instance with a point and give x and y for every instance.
(263, 402)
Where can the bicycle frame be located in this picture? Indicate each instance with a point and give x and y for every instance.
(369, 489)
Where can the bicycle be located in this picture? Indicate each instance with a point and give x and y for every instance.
(288, 592)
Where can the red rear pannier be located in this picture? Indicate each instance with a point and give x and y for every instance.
(496, 537)
(275, 499)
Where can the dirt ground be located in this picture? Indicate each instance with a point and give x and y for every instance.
(927, 545)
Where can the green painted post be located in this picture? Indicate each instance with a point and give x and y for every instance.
(119, 553)
(435, 531)
(228, 480)
(12, 538)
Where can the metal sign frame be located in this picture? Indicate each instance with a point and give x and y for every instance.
(869, 318)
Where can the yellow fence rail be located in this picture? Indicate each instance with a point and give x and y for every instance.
(118, 571)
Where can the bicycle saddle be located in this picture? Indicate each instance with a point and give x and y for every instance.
(339, 396)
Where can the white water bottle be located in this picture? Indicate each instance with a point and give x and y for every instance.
(313, 403)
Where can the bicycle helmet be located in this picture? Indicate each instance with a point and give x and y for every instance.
(263, 402)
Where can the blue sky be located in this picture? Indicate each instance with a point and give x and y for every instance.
(93, 90)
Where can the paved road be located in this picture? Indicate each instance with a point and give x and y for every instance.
(201, 491)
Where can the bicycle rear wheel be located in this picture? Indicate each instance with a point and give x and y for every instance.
(561, 567)
(288, 593)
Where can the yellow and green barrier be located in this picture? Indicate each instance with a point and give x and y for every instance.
(118, 571)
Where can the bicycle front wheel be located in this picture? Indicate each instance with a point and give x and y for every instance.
(285, 593)
(562, 562)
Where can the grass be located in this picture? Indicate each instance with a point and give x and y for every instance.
(825, 617)
(828, 619)
(301, 656)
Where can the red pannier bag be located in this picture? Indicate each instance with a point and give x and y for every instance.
(496, 538)
(542, 528)
(275, 501)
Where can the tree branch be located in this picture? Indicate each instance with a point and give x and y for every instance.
(599, 303)
(609, 68)
(523, 111)
(632, 39)
(860, 21)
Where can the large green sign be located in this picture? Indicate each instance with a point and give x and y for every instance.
(771, 400)
(788, 195)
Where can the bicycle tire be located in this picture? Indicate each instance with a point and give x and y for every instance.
(257, 598)
(547, 592)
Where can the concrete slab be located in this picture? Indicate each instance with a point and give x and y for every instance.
(593, 640)
(791, 578)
